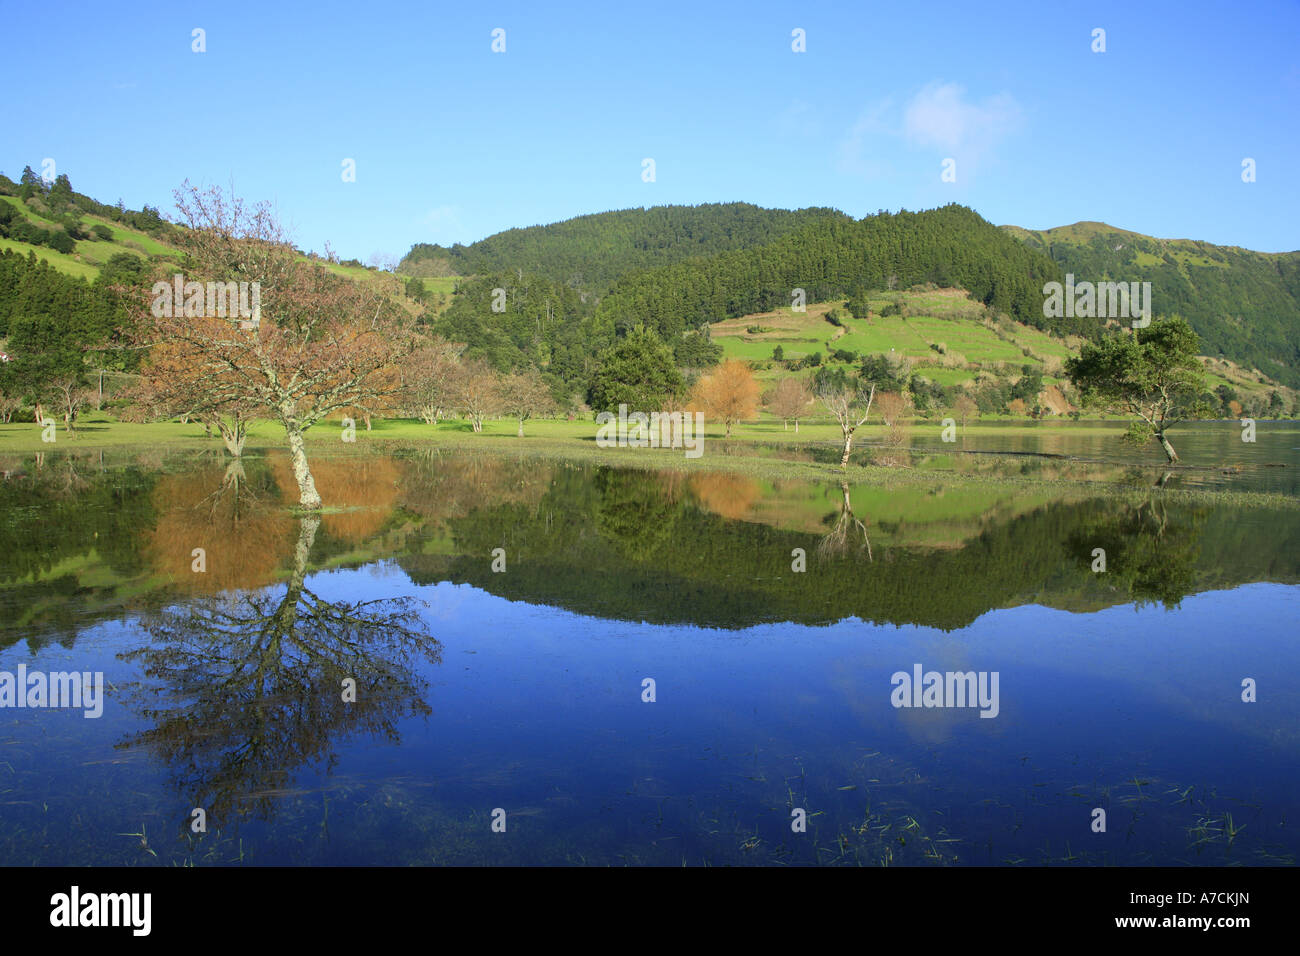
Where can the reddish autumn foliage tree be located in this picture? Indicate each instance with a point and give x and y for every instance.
(729, 394)
(318, 343)
(790, 400)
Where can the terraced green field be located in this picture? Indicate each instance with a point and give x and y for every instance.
(945, 318)
(66, 264)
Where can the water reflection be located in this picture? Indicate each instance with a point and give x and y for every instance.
(232, 677)
(848, 532)
(1148, 550)
(82, 543)
(244, 688)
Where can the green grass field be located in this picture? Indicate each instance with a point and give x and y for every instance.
(944, 318)
(97, 430)
(89, 254)
(66, 264)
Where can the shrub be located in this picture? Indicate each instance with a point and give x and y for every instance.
(62, 242)
(858, 307)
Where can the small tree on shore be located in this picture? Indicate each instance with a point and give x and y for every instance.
(729, 394)
(477, 391)
(850, 406)
(1152, 373)
(525, 394)
(70, 395)
(429, 380)
(789, 400)
(893, 408)
(176, 383)
(9, 406)
(966, 409)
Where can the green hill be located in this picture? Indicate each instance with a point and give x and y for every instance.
(989, 332)
(831, 259)
(79, 236)
(591, 252)
(941, 342)
(570, 288)
(1245, 305)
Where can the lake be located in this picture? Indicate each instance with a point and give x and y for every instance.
(629, 666)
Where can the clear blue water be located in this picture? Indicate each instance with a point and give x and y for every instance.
(523, 690)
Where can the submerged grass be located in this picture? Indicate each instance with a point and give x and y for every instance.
(761, 450)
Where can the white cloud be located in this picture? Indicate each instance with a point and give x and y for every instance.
(939, 117)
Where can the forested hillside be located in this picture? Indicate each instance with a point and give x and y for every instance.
(545, 321)
(537, 323)
(67, 262)
(590, 252)
(554, 298)
(55, 326)
(951, 246)
(1244, 305)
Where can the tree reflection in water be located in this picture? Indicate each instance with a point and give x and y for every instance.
(846, 529)
(245, 688)
(1150, 552)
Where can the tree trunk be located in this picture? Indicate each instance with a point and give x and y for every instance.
(308, 497)
(796, 426)
(234, 436)
(848, 445)
(234, 476)
(521, 428)
(1169, 449)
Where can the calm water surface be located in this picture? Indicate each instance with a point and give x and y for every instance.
(524, 689)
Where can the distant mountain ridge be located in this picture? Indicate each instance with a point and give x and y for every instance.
(519, 318)
(1245, 305)
(675, 266)
(592, 251)
(574, 285)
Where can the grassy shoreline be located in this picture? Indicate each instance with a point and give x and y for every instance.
(755, 449)
(101, 431)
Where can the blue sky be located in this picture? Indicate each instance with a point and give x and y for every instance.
(453, 142)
